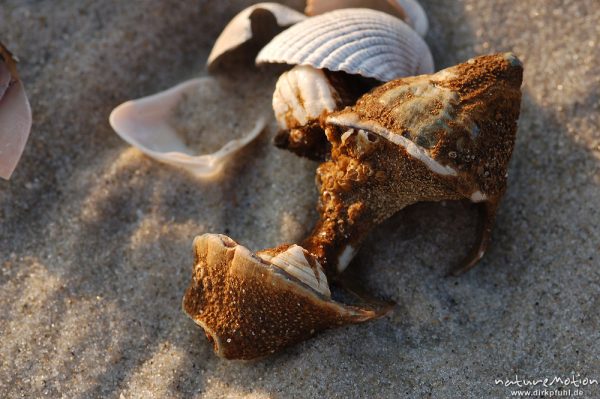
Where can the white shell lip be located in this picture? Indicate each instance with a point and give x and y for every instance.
(352, 120)
(239, 30)
(143, 124)
(357, 41)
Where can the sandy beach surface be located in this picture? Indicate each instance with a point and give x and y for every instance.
(95, 237)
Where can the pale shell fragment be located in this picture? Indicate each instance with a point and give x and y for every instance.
(362, 42)
(416, 16)
(15, 115)
(239, 30)
(301, 95)
(143, 123)
(409, 11)
(316, 7)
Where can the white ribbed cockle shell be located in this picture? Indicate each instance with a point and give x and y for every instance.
(357, 41)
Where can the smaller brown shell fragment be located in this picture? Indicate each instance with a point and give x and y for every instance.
(250, 307)
(445, 136)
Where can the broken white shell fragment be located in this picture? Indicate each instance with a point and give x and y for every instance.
(362, 42)
(415, 15)
(242, 28)
(145, 124)
(15, 115)
(303, 94)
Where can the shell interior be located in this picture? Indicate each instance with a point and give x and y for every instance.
(297, 262)
(145, 124)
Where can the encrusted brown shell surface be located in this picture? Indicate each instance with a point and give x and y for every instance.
(463, 117)
(427, 138)
(251, 308)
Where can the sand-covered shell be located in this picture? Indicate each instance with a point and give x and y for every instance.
(409, 11)
(252, 305)
(146, 123)
(460, 121)
(435, 137)
(258, 23)
(362, 42)
(15, 114)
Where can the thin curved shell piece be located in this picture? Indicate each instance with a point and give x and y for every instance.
(316, 7)
(357, 41)
(415, 16)
(15, 115)
(144, 123)
(240, 29)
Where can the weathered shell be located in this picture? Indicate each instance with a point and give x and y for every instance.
(15, 115)
(460, 121)
(409, 11)
(444, 136)
(303, 95)
(362, 42)
(261, 21)
(251, 305)
(144, 124)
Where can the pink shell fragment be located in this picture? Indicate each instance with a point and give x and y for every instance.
(15, 117)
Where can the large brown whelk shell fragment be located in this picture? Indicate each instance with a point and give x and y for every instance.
(252, 305)
(435, 137)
